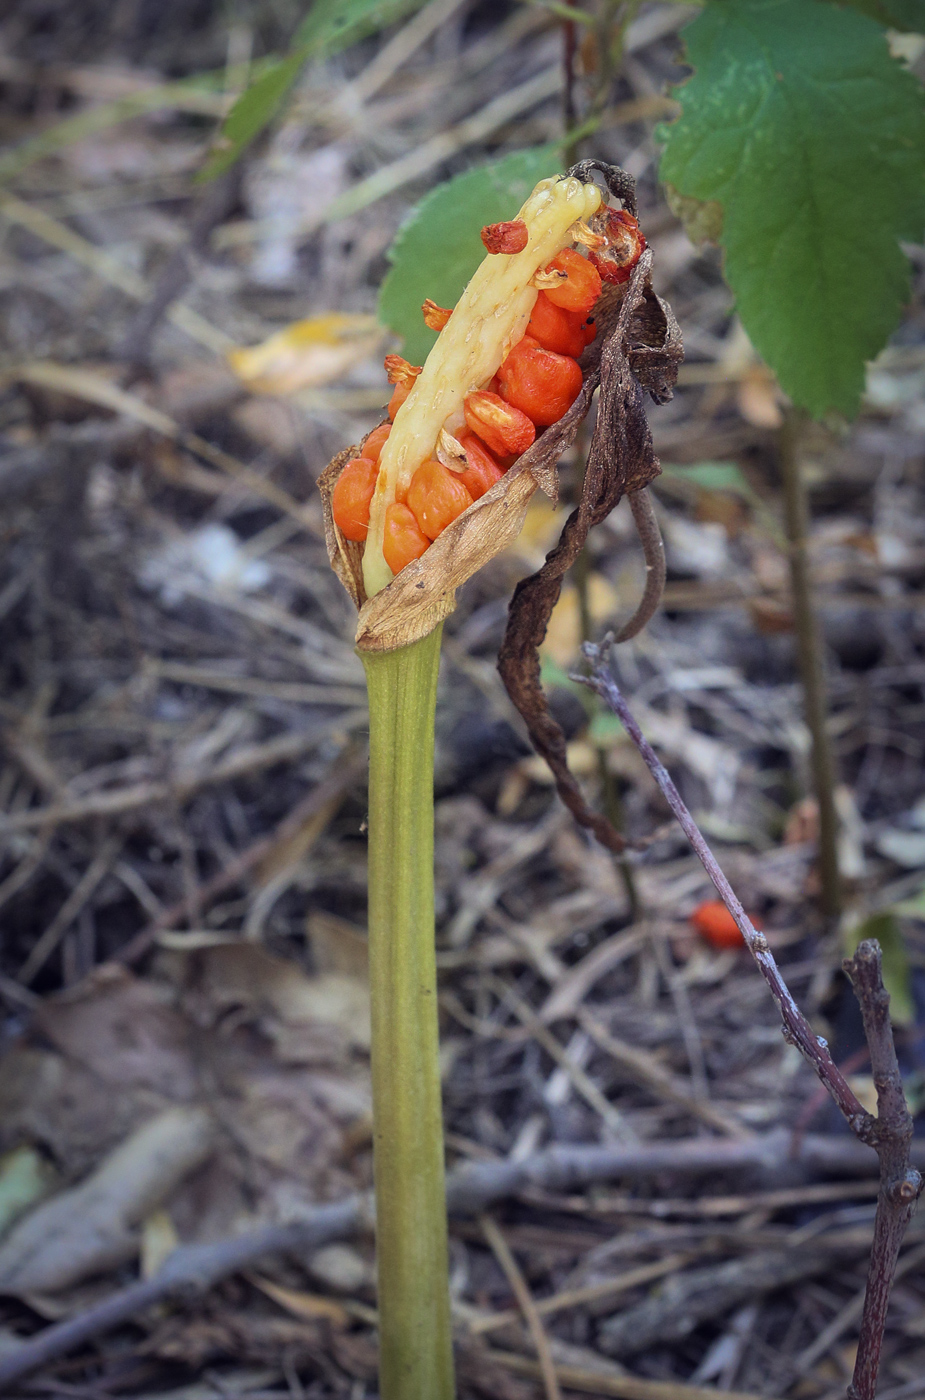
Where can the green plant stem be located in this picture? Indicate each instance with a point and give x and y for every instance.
(811, 659)
(415, 1343)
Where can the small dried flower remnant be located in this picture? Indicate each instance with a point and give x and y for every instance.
(510, 237)
(623, 245)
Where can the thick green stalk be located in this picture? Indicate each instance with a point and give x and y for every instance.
(415, 1342)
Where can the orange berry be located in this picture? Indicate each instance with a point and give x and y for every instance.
(625, 246)
(483, 471)
(502, 426)
(402, 539)
(588, 331)
(713, 920)
(509, 237)
(375, 441)
(435, 317)
(436, 496)
(581, 286)
(402, 375)
(541, 384)
(352, 494)
(556, 329)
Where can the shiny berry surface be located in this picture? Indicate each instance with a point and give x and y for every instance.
(540, 383)
(483, 471)
(436, 496)
(402, 538)
(582, 284)
(376, 441)
(351, 497)
(502, 426)
(556, 329)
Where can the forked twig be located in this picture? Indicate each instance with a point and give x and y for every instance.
(890, 1132)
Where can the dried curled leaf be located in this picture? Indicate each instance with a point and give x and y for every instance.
(640, 352)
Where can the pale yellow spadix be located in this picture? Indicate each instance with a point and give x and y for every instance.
(490, 317)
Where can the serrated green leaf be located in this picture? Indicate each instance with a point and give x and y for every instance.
(332, 25)
(897, 978)
(812, 138)
(908, 15)
(438, 248)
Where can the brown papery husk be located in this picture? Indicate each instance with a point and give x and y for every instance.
(641, 351)
(424, 593)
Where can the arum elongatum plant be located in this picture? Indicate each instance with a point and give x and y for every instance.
(561, 304)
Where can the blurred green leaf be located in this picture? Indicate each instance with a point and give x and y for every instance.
(811, 138)
(329, 26)
(897, 978)
(913, 908)
(895, 14)
(25, 1177)
(438, 248)
(332, 25)
(254, 109)
(713, 476)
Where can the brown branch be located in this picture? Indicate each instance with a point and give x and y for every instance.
(653, 551)
(890, 1133)
(900, 1182)
(194, 1269)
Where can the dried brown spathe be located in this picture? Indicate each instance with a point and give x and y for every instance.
(640, 352)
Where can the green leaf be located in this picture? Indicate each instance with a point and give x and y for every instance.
(812, 139)
(332, 25)
(254, 109)
(329, 26)
(712, 476)
(897, 978)
(907, 15)
(438, 248)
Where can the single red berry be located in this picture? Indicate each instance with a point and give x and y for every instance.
(375, 441)
(402, 538)
(502, 426)
(352, 494)
(436, 496)
(556, 329)
(713, 920)
(540, 383)
(580, 288)
(509, 237)
(483, 471)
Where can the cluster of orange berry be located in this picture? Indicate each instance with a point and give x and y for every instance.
(534, 386)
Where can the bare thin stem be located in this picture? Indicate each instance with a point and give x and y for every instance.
(890, 1133)
(810, 657)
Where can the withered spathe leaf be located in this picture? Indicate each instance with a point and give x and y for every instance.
(424, 593)
(640, 352)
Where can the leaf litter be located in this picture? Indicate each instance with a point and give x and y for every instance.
(179, 740)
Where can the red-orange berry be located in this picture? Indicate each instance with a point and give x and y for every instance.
(351, 497)
(436, 496)
(581, 286)
(509, 237)
(402, 538)
(541, 384)
(713, 920)
(402, 375)
(625, 246)
(375, 442)
(501, 426)
(435, 317)
(556, 329)
(482, 471)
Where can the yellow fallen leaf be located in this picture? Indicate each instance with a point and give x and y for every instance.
(315, 351)
(563, 635)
